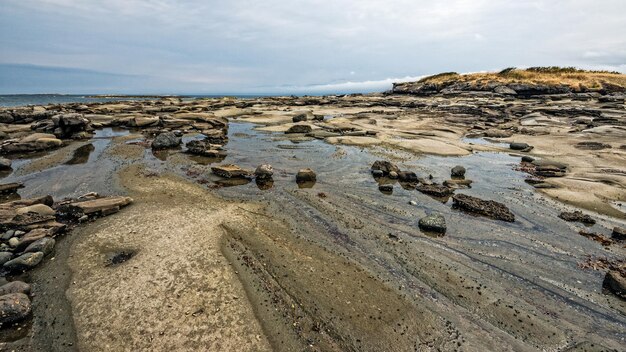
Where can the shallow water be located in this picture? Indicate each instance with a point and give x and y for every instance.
(531, 263)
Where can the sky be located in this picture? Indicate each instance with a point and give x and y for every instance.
(292, 46)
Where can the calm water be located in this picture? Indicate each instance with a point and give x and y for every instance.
(44, 99)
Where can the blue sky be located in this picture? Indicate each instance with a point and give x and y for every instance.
(297, 46)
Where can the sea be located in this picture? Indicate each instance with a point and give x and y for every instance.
(45, 99)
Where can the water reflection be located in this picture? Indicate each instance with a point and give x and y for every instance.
(306, 184)
(81, 155)
(264, 183)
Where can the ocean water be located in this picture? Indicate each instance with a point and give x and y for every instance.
(44, 99)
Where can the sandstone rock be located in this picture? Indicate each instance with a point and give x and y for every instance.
(592, 146)
(230, 171)
(15, 287)
(264, 171)
(577, 216)
(433, 223)
(166, 140)
(615, 282)
(14, 307)
(24, 262)
(458, 171)
(385, 166)
(299, 129)
(44, 245)
(435, 190)
(489, 208)
(41, 209)
(102, 206)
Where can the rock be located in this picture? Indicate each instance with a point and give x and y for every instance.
(619, 233)
(458, 183)
(166, 140)
(385, 188)
(41, 209)
(527, 159)
(143, 121)
(435, 190)
(615, 282)
(433, 223)
(577, 216)
(264, 171)
(520, 146)
(230, 171)
(408, 176)
(412, 202)
(458, 171)
(5, 164)
(489, 208)
(102, 206)
(5, 257)
(377, 173)
(7, 235)
(301, 117)
(393, 175)
(24, 262)
(44, 245)
(592, 146)
(385, 166)
(14, 241)
(204, 148)
(10, 188)
(306, 175)
(14, 307)
(299, 129)
(15, 287)
(504, 90)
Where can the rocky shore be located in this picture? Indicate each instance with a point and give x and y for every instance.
(435, 216)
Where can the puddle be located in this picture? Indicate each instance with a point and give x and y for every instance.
(485, 141)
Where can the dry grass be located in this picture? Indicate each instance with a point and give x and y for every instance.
(569, 76)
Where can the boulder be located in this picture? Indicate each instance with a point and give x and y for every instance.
(577, 216)
(408, 176)
(15, 287)
(41, 209)
(301, 117)
(5, 257)
(299, 129)
(615, 282)
(230, 171)
(24, 262)
(458, 171)
(385, 166)
(14, 307)
(44, 245)
(433, 223)
(166, 140)
(264, 171)
(306, 175)
(488, 208)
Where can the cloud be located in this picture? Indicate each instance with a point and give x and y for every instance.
(343, 87)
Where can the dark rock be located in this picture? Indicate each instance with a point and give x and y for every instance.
(520, 146)
(385, 166)
(264, 171)
(378, 173)
(299, 129)
(166, 140)
(205, 148)
(300, 117)
(5, 257)
(9, 188)
(619, 233)
(592, 146)
(433, 223)
(577, 216)
(5, 164)
(44, 245)
(306, 175)
(435, 190)
(458, 171)
(24, 262)
(14, 307)
(527, 159)
(15, 287)
(615, 282)
(386, 188)
(489, 208)
(408, 176)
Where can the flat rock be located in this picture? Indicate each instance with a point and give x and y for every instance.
(435, 190)
(488, 208)
(230, 171)
(14, 307)
(577, 216)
